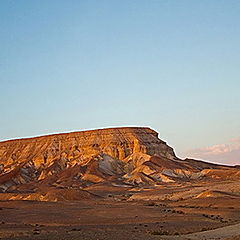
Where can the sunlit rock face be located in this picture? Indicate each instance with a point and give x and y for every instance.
(39, 158)
(125, 157)
(78, 146)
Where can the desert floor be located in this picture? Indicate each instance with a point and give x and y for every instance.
(111, 217)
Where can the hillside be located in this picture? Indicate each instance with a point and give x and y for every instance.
(115, 157)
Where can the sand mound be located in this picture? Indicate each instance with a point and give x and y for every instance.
(215, 194)
(51, 195)
(222, 174)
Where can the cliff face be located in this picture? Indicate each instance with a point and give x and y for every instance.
(129, 157)
(78, 147)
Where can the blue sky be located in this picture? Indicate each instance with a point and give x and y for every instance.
(73, 65)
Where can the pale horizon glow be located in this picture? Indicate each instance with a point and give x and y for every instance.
(225, 153)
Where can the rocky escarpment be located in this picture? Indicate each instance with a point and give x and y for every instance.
(40, 158)
(79, 146)
(129, 157)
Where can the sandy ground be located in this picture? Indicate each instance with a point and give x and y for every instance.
(166, 212)
(227, 233)
(108, 219)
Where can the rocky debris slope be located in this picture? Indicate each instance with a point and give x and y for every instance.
(129, 157)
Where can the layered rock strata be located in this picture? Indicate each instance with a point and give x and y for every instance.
(79, 146)
(125, 157)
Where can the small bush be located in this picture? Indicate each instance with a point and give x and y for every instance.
(159, 233)
(151, 204)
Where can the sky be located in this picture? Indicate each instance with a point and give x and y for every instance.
(85, 64)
